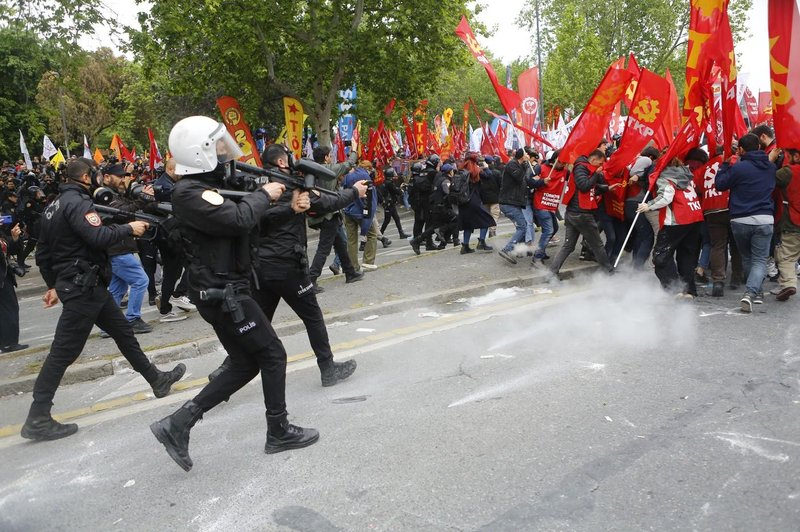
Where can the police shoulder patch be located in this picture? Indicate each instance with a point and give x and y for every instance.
(94, 219)
(213, 197)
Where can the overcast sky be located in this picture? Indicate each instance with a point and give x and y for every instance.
(511, 42)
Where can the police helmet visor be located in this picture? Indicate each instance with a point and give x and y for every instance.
(227, 148)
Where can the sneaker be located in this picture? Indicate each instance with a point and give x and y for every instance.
(172, 316)
(758, 299)
(140, 326)
(785, 293)
(772, 269)
(357, 276)
(367, 267)
(747, 303)
(182, 303)
(504, 254)
(335, 270)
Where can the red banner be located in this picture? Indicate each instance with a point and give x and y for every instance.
(234, 120)
(647, 112)
(155, 154)
(509, 99)
(410, 142)
(421, 131)
(721, 49)
(784, 38)
(751, 106)
(764, 107)
(529, 92)
(688, 138)
(593, 122)
(672, 120)
(704, 20)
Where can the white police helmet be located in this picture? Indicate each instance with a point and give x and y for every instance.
(199, 143)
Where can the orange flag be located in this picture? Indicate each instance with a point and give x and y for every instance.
(234, 121)
(115, 147)
(98, 157)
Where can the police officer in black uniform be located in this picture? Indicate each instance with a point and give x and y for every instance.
(72, 259)
(283, 271)
(220, 237)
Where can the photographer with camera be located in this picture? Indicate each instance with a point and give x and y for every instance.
(9, 305)
(219, 235)
(126, 268)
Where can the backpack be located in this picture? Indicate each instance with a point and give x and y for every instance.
(459, 188)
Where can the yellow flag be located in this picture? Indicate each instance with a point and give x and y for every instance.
(98, 157)
(58, 159)
(282, 137)
(293, 112)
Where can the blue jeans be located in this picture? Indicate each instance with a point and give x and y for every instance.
(545, 221)
(753, 242)
(127, 271)
(530, 230)
(468, 235)
(516, 215)
(705, 248)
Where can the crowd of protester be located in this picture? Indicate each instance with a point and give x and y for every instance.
(708, 220)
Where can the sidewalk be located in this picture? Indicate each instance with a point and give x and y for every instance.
(433, 277)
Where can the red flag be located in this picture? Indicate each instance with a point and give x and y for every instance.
(525, 130)
(340, 155)
(647, 113)
(720, 48)
(784, 38)
(412, 145)
(672, 120)
(688, 138)
(593, 122)
(466, 117)
(529, 92)
(126, 155)
(508, 98)
(704, 20)
(155, 155)
(486, 144)
(764, 107)
(630, 92)
(616, 117)
(421, 130)
(751, 106)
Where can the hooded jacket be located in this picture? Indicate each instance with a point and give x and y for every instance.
(751, 182)
(670, 180)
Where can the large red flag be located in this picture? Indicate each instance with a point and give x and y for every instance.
(421, 130)
(704, 20)
(529, 92)
(155, 154)
(648, 109)
(720, 47)
(764, 107)
(630, 92)
(509, 99)
(784, 38)
(593, 122)
(672, 120)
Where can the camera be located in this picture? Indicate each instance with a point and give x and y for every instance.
(136, 191)
(18, 270)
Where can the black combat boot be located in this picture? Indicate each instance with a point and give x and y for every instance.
(337, 371)
(282, 435)
(466, 249)
(386, 242)
(41, 426)
(415, 245)
(162, 381)
(226, 364)
(173, 432)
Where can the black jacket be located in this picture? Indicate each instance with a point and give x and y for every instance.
(490, 186)
(513, 188)
(282, 238)
(218, 233)
(71, 231)
(584, 182)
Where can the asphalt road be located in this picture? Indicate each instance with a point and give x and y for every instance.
(563, 407)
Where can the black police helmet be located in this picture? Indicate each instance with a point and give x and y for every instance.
(389, 172)
(417, 168)
(433, 161)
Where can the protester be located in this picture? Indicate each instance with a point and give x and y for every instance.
(514, 197)
(751, 182)
(473, 214)
(787, 252)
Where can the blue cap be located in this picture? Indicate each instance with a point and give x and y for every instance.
(447, 168)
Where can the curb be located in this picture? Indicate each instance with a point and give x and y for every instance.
(198, 347)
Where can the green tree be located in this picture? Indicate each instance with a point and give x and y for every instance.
(581, 38)
(261, 51)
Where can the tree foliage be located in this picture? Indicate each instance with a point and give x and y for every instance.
(261, 51)
(581, 38)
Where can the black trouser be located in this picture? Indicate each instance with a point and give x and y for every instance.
(81, 311)
(171, 267)
(252, 347)
(148, 255)
(682, 242)
(642, 236)
(9, 314)
(331, 237)
(446, 224)
(389, 214)
(581, 224)
(296, 290)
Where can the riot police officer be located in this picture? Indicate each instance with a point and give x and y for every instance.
(72, 259)
(219, 236)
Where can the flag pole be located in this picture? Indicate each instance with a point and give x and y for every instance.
(625, 242)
